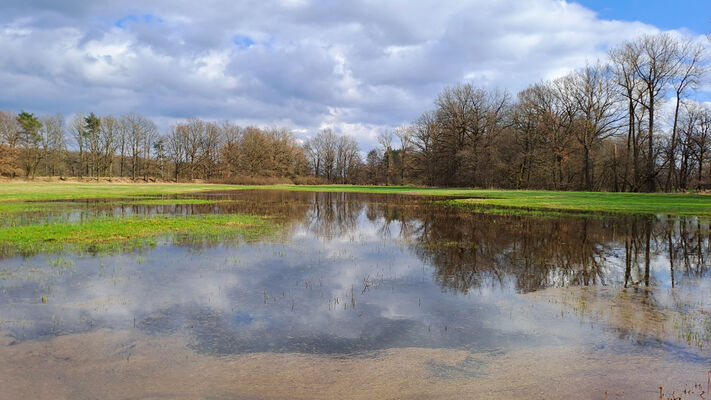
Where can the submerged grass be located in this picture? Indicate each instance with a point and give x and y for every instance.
(498, 200)
(168, 202)
(629, 311)
(105, 234)
(478, 208)
(34, 206)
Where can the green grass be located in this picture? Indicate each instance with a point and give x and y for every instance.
(13, 192)
(591, 202)
(531, 200)
(102, 234)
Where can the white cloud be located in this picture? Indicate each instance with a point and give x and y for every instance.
(356, 66)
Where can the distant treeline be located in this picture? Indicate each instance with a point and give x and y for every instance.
(598, 128)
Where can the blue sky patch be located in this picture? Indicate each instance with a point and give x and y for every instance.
(143, 18)
(243, 41)
(694, 15)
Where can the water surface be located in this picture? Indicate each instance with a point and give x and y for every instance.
(364, 296)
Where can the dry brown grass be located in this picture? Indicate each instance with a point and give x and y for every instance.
(116, 180)
(252, 180)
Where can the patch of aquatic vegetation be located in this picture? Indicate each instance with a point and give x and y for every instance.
(104, 234)
(61, 262)
(693, 328)
(480, 206)
(165, 202)
(12, 214)
(33, 207)
(27, 213)
(638, 313)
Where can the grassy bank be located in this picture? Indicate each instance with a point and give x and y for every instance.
(102, 234)
(587, 202)
(13, 192)
(475, 199)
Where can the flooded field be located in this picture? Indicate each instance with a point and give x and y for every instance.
(360, 296)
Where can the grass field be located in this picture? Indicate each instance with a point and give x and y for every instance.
(14, 192)
(537, 200)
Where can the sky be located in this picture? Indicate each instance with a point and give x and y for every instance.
(355, 66)
(691, 15)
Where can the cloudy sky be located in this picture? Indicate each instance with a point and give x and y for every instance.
(356, 66)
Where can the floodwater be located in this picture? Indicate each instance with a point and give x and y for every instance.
(364, 296)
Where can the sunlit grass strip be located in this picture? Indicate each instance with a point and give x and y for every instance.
(12, 192)
(592, 203)
(104, 234)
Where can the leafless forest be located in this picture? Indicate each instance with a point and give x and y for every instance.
(627, 123)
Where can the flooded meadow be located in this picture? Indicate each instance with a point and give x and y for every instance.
(362, 296)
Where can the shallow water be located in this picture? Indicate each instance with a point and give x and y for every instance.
(364, 296)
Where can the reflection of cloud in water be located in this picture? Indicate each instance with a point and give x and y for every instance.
(356, 272)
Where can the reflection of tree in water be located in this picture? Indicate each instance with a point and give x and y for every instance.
(687, 243)
(337, 214)
(473, 250)
(333, 214)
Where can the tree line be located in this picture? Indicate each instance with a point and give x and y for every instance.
(598, 128)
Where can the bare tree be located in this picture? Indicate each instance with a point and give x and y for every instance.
(54, 144)
(687, 76)
(150, 136)
(209, 149)
(347, 158)
(333, 157)
(700, 135)
(76, 129)
(110, 132)
(424, 133)
(404, 133)
(469, 119)
(322, 154)
(9, 129)
(624, 59)
(385, 139)
(656, 68)
(591, 96)
(176, 143)
(229, 154)
(124, 130)
(141, 132)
